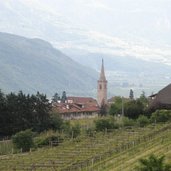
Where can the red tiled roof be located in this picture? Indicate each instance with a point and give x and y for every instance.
(82, 100)
(77, 105)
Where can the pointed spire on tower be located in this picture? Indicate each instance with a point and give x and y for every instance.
(102, 73)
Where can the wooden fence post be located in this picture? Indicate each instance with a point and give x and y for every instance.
(92, 162)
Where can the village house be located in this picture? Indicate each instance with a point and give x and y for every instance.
(83, 107)
(77, 108)
(162, 99)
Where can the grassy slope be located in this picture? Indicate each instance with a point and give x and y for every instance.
(128, 160)
(71, 152)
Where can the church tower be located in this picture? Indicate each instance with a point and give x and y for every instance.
(102, 87)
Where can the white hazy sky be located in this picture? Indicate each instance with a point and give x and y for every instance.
(140, 28)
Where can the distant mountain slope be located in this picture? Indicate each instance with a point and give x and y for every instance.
(34, 65)
(127, 72)
(129, 64)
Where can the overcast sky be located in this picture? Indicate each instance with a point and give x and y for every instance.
(140, 28)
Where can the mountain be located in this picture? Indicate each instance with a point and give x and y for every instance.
(35, 65)
(121, 28)
(132, 36)
(127, 72)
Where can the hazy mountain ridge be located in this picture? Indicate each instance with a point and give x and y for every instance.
(125, 73)
(102, 26)
(34, 65)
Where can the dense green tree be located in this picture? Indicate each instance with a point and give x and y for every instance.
(19, 112)
(41, 111)
(133, 109)
(116, 107)
(64, 97)
(153, 163)
(131, 94)
(3, 114)
(55, 98)
(56, 122)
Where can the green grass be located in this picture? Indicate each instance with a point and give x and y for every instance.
(86, 122)
(127, 160)
(6, 147)
(76, 154)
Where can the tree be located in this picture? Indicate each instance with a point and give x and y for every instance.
(133, 109)
(23, 140)
(116, 107)
(20, 112)
(41, 111)
(144, 100)
(131, 94)
(3, 115)
(55, 98)
(64, 97)
(103, 108)
(56, 121)
(153, 163)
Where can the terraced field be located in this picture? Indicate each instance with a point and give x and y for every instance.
(115, 150)
(127, 160)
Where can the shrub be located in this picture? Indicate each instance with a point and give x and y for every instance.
(90, 132)
(56, 121)
(66, 127)
(71, 131)
(46, 138)
(23, 140)
(161, 116)
(44, 141)
(153, 163)
(105, 123)
(142, 121)
(128, 122)
(75, 131)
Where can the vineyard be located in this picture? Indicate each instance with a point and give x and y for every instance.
(110, 150)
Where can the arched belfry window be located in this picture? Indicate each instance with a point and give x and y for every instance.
(100, 86)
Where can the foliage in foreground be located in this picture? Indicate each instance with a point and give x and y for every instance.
(23, 140)
(20, 112)
(106, 123)
(161, 116)
(45, 139)
(142, 121)
(153, 163)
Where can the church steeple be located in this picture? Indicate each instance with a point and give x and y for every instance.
(102, 87)
(102, 73)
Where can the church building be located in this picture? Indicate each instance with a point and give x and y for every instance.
(102, 87)
(83, 107)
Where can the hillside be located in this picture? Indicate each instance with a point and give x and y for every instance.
(127, 72)
(34, 65)
(120, 151)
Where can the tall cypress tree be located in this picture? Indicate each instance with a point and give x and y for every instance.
(131, 94)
